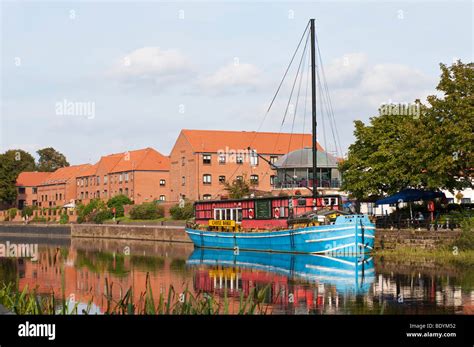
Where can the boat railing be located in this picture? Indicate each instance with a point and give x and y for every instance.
(334, 183)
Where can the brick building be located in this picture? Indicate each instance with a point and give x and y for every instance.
(27, 187)
(202, 160)
(59, 188)
(142, 175)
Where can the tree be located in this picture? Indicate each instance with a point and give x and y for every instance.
(238, 188)
(50, 160)
(117, 202)
(12, 162)
(433, 150)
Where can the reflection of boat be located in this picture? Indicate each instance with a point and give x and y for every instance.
(349, 273)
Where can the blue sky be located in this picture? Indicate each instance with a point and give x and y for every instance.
(150, 72)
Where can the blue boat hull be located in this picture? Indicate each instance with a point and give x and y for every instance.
(348, 273)
(348, 235)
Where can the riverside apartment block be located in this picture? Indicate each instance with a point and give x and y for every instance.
(197, 167)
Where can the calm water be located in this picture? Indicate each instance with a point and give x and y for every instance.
(296, 284)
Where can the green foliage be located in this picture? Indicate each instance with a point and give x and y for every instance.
(238, 188)
(64, 218)
(27, 211)
(433, 151)
(11, 213)
(38, 219)
(12, 162)
(99, 217)
(147, 210)
(182, 213)
(87, 213)
(117, 202)
(50, 160)
(466, 239)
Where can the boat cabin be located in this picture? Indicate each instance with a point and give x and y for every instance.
(260, 212)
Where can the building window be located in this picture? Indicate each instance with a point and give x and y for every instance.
(98, 193)
(21, 190)
(105, 179)
(206, 197)
(162, 198)
(35, 190)
(78, 182)
(87, 195)
(239, 158)
(98, 180)
(206, 158)
(254, 179)
(273, 159)
(206, 179)
(82, 182)
(60, 196)
(82, 195)
(126, 191)
(221, 179)
(126, 176)
(105, 193)
(120, 190)
(162, 183)
(253, 158)
(87, 182)
(183, 159)
(120, 178)
(222, 158)
(56, 196)
(272, 180)
(183, 180)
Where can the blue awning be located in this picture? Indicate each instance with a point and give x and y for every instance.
(408, 195)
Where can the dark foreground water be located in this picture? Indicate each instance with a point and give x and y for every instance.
(296, 284)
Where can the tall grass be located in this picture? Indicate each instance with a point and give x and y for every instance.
(184, 303)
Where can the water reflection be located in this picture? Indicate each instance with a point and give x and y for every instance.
(297, 284)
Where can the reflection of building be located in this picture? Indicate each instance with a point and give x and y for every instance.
(295, 170)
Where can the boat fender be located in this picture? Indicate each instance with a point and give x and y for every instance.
(250, 213)
(277, 212)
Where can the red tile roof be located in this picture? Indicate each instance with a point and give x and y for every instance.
(263, 142)
(146, 159)
(31, 179)
(64, 174)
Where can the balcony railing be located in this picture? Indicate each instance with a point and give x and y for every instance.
(334, 183)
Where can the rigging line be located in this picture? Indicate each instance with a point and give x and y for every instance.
(281, 82)
(305, 105)
(291, 93)
(299, 75)
(321, 98)
(297, 98)
(274, 97)
(333, 124)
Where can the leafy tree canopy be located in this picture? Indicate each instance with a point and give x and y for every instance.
(50, 160)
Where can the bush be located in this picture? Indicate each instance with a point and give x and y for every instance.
(64, 218)
(117, 202)
(147, 210)
(181, 213)
(27, 211)
(466, 239)
(11, 213)
(100, 216)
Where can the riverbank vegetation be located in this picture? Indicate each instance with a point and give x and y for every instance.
(29, 301)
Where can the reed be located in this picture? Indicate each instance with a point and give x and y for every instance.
(29, 301)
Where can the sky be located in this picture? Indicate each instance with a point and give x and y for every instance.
(93, 78)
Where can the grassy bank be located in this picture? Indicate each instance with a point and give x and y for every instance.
(442, 256)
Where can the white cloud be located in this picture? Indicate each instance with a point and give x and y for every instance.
(152, 64)
(233, 77)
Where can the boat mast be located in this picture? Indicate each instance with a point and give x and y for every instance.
(313, 106)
